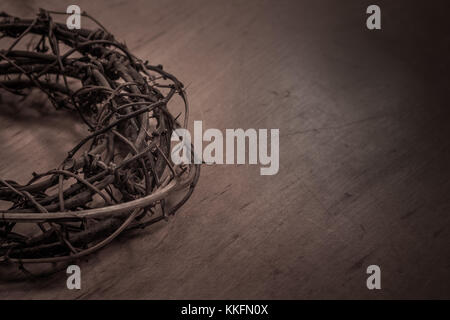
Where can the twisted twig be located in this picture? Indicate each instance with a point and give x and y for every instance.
(124, 161)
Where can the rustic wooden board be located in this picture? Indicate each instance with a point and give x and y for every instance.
(364, 154)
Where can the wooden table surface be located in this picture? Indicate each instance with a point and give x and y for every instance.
(364, 153)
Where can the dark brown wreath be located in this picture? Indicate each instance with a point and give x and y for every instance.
(119, 176)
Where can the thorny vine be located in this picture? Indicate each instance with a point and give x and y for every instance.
(115, 179)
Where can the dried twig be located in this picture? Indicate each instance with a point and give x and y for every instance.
(127, 162)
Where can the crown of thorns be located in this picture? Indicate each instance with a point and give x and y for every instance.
(118, 177)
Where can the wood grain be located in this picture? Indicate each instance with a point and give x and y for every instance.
(364, 154)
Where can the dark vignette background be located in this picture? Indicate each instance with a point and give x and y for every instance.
(364, 152)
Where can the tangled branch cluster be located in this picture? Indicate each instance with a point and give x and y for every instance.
(117, 178)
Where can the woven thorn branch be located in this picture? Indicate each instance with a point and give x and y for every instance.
(115, 179)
